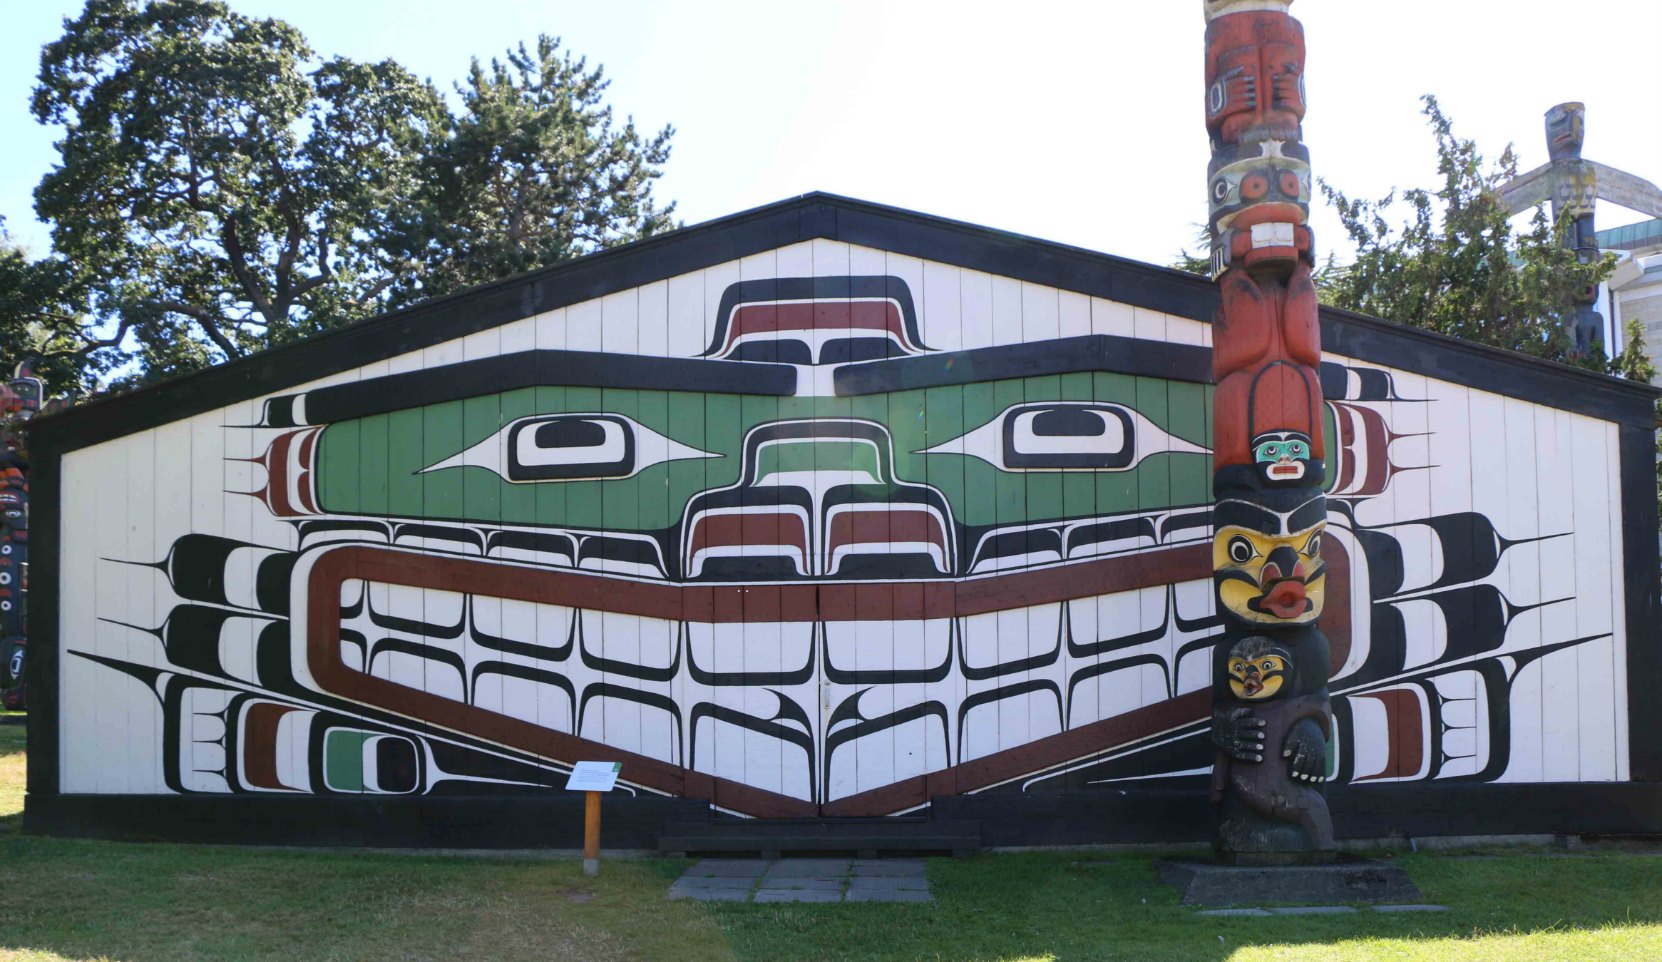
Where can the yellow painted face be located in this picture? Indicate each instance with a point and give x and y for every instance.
(1267, 564)
(1257, 679)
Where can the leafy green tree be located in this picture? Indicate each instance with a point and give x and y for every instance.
(41, 322)
(1456, 265)
(532, 174)
(218, 191)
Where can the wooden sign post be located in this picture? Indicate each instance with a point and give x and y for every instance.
(592, 778)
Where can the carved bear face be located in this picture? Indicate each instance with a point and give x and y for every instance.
(1267, 563)
(1259, 669)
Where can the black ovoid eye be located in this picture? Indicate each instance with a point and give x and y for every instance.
(1240, 550)
(1313, 547)
(1220, 191)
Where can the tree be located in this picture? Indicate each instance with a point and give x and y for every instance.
(41, 321)
(216, 193)
(532, 174)
(1456, 265)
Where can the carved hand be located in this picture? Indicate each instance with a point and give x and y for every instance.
(1238, 734)
(1306, 752)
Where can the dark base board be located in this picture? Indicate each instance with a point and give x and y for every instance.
(1129, 816)
(1347, 880)
(1111, 817)
(554, 821)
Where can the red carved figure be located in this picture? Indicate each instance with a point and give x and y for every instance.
(1254, 73)
(1259, 178)
(1266, 348)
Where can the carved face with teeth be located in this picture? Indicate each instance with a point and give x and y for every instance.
(1282, 456)
(1266, 558)
(1259, 183)
(1258, 669)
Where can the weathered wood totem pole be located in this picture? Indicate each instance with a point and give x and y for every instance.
(1270, 719)
(1575, 185)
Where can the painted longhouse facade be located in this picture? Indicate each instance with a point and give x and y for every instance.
(821, 510)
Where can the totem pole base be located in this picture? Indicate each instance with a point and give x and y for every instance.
(1345, 879)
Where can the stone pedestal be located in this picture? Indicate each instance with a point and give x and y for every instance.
(1346, 879)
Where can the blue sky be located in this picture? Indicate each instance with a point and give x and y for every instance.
(1075, 122)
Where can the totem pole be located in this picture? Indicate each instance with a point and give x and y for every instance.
(19, 401)
(1574, 185)
(1270, 721)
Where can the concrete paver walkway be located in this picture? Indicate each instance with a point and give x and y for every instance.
(804, 880)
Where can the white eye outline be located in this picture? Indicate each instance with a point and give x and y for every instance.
(1238, 540)
(989, 441)
(628, 447)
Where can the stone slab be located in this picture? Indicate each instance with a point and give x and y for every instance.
(715, 882)
(887, 883)
(890, 867)
(776, 883)
(810, 868)
(1346, 880)
(1313, 910)
(797, 895)
(727, 868)
(710, 895)
(890, 895)
(1410, 908)
(1236, 912)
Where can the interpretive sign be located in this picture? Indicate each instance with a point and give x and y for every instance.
(593, 776)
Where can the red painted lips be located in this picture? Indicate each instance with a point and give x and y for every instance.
(1286, 600)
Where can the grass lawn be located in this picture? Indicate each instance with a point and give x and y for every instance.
(62, 899)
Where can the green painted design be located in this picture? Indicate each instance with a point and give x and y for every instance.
(343, 759)
(375, 465)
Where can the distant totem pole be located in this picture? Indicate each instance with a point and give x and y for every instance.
(1575, 185)
(1270, 720)
(19, 400)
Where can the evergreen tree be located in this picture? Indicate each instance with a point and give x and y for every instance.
(533, 173)
(1456, 265)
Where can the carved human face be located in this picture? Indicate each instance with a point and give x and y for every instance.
(1258, 669)
(1282, 456)
(1566, 130)
(1259, 183)
(1267, 563)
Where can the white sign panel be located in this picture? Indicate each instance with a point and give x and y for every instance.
(593, 776)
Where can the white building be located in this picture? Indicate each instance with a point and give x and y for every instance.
(1634, 291)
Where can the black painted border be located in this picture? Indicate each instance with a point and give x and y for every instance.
(1643, 592)
(41, 667)
(500, 821)
(1066, 355)
(522, 369)
(842, 219)
(1006, 819)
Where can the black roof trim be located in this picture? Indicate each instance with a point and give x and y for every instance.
(810, 216)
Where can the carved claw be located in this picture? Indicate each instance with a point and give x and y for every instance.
(1239, 734)
(1306, 752)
